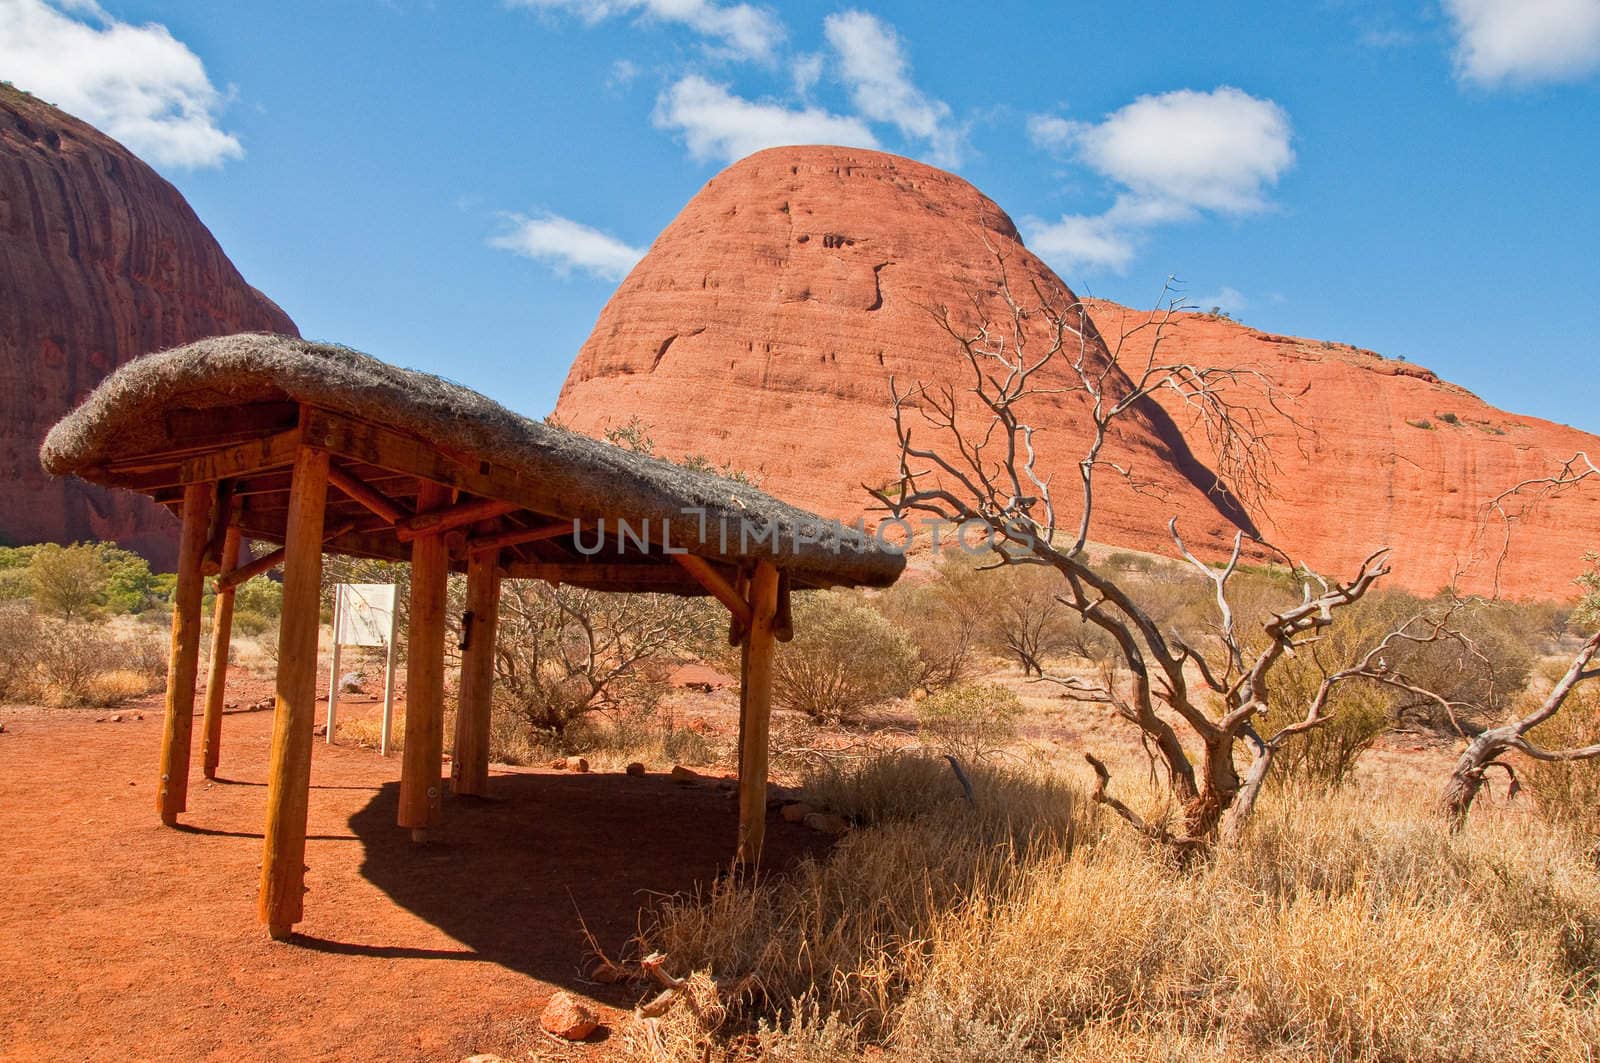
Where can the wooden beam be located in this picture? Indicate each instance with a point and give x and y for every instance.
(217, 533)
(178, 725)
(230, 580)
(386, 448)
(469, 768)
(756, 699)
(717, 584)
(373, 499)
(736, 627)
(221, 639)
(257, 455)
(420, 804)
(455, 517)
(282, 898)
(496, 541)
(606, 574)
(783, 623)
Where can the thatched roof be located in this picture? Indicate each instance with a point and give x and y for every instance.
(150, 411)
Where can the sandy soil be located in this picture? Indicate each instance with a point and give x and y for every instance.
(121, 939)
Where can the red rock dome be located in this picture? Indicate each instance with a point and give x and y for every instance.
(101, 260)
(762, 329)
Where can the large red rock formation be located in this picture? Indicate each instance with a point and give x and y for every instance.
(762, 328)
(101, 260)
(1375, 452)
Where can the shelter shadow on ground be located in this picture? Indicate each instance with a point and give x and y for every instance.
(516, 880)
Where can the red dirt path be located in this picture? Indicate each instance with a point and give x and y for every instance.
(121, 939)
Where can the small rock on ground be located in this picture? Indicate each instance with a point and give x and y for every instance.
(797, 812)
(635, 768)
(577, 764)
(568, 1017)
(684, 775)
(826, 823)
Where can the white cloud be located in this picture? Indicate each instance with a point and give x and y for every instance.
(1525, 41)
(1078, 242)
(623, 73)
(806, 72)
(1215, 150)
(719, 125)
(1228, 300)
(565, 245)
(138, 84)
(745, 31)
(873, 65)
(1172, 158)
(1051, 132)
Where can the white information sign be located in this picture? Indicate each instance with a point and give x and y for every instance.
(366, 614)
(363, 615)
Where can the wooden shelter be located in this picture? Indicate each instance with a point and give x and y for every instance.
(324, 449)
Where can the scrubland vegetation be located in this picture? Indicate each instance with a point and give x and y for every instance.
(87, 624)
(1345, 920)
(1033, 925)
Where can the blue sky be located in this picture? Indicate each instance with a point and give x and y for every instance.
(458, 186)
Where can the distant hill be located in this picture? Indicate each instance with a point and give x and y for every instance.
(763, 326)
(101, 261)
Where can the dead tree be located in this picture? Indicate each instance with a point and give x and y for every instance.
(981, 468)
(1489, 748)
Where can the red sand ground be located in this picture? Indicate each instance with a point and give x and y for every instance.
(121, 939)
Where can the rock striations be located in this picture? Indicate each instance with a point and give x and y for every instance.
(762, 329)
(101, 260)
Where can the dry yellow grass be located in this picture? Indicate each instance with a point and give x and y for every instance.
(1032, 927)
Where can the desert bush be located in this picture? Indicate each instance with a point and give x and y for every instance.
(1027, 622)
(1588, 610)
(642, 733)
(943, 619)
(1338, 929)
(846, 658)
(563, 652)
(144, 651)
(971, 721)
(1325, 756)
(14, 561)
(95, 663)
(1569, 792)
(19, 633)
(252, 623)
(68, 582)
(71, 654)
(261, 596)
(83, 581)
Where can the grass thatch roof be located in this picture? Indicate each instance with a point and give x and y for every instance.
(131, 414)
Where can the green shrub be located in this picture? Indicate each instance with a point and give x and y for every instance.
(846, 658)
(68, 582)
(1326, 755)
(971, 721)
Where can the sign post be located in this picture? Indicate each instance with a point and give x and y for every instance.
(363, 615)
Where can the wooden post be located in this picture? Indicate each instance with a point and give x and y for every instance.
(469, 771)
(177, 731)
(420, 806)
(221, 639)
(388, 687)
(333, 669)
(756, 702)
(281, 901)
